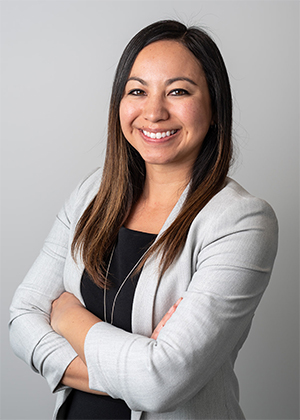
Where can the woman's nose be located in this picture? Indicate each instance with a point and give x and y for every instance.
(155, 109)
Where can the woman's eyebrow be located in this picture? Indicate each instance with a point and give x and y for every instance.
(178, 79)
(137, 79)
(167, 83)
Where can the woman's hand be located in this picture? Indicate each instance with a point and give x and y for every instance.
(72, 320)
(162, 323)
(61, 309)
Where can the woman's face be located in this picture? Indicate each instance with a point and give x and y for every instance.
(165, 112)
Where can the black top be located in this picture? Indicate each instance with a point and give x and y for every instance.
(130, 247)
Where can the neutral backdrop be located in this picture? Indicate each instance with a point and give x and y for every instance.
(58, 62)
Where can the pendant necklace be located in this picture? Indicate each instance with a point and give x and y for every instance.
(122, 284)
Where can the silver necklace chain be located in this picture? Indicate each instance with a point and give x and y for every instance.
(122, 284)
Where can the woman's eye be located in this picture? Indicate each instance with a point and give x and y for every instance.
(136, 92)
(179, 92)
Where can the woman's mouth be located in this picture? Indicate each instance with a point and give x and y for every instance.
(159, 134)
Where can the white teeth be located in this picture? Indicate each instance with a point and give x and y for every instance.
(163, 134)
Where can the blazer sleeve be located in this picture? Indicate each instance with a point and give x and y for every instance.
(31, 335)
(234, 263)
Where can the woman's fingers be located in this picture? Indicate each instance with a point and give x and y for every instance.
(164, 320)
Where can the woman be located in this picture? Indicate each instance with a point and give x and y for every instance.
(166, 228)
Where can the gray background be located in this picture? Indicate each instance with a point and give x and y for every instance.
(58, 61)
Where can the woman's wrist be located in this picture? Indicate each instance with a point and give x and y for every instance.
(76, 376)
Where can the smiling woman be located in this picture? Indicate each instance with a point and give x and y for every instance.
(161, 224)
(165, 113)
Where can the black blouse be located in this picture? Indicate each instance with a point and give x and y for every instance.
(130, 247)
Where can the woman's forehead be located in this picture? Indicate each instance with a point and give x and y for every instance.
(166, 58)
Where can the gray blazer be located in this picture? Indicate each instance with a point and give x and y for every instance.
(187, 373)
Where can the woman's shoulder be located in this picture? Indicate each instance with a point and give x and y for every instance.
(82, 195)
(233, 197)
(91, 183)
(233, 207)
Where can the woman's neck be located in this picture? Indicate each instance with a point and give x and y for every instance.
(162, 187)
(161, 193)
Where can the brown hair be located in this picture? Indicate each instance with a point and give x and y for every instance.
(124, 169)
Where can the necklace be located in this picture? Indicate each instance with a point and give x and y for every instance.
(122, 284)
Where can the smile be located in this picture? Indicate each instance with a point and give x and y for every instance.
(159, 135)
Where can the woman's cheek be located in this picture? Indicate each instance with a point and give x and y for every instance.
(129, 112)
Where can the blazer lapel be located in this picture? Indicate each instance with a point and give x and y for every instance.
(143, 303)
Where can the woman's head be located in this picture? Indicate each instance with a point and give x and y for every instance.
(165, 112)
(217, 146)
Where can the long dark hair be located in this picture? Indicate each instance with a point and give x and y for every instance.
(124, 170)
